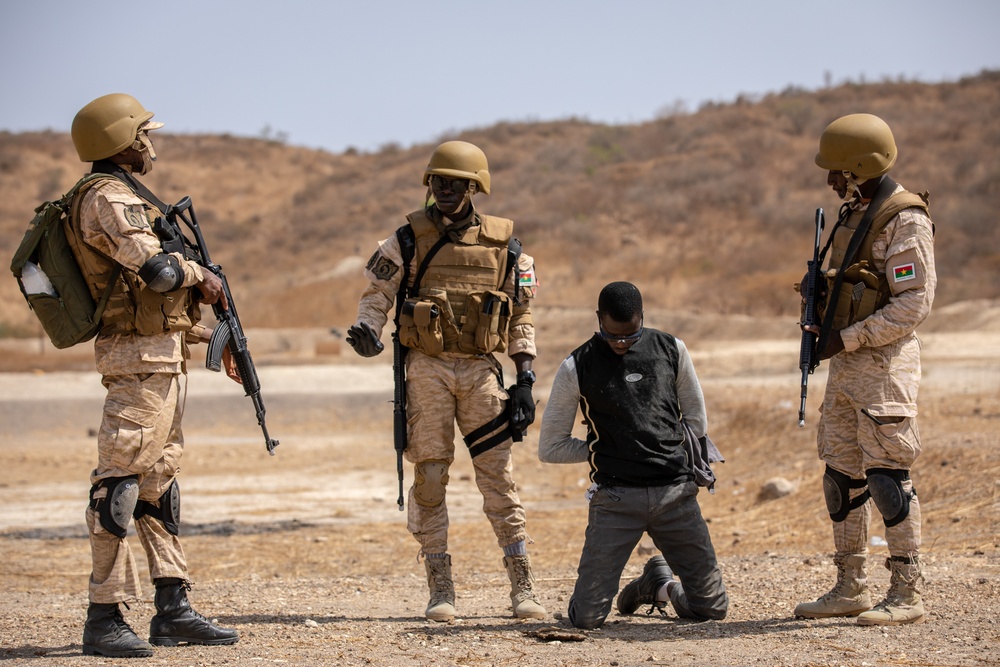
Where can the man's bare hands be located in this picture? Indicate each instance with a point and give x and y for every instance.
(211, 290)
(230, 365)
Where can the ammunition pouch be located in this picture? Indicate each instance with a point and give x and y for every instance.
(485, 323)
(421, 325)
(862, 292)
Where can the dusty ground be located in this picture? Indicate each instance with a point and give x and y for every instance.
(307, 555)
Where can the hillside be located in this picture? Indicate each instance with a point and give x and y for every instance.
(708, 212)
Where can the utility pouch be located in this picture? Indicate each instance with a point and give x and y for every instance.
(861, 294)
(484, 326)
(420, 326)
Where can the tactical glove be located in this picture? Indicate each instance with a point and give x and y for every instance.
(363, 340)
(522, 409)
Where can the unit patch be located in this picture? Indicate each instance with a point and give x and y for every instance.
(903, 273)
(381, 267)
(633, 377)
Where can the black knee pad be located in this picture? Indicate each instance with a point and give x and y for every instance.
(169, 511)
(837, 491)
(886, 487)
(119, 502)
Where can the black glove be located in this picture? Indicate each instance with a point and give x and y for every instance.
(363, 340)
(522, 408)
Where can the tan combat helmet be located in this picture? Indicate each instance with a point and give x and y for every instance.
(859, 143)
(459, 159)
(108, 125)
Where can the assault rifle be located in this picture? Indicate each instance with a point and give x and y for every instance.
(808, 354)
(399, 408)
(229, 332)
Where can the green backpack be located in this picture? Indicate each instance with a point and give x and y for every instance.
(66, 308)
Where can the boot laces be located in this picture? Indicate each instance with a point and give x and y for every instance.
(656, 606)
(122, 628)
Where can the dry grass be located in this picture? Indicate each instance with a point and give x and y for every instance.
(709, 211)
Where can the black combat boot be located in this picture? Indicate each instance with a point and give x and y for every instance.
(176, 622)
(106, 633)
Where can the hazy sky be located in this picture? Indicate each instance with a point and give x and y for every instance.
(372, 72)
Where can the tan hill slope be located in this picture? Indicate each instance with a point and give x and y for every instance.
(707, 212)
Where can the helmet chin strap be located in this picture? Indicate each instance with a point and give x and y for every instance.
(144, 146)
(466, 198)
(853, 185)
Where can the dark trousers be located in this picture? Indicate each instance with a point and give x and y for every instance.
(672, 518)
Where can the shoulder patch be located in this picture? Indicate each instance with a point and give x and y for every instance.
(136, 216)
(903, 272)
(381, 267)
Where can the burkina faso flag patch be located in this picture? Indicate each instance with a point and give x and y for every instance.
(903, 273)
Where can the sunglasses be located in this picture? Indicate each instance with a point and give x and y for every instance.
(622, 340)
(456, 185)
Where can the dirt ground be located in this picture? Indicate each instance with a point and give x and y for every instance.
(308, 556)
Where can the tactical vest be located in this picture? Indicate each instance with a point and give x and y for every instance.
(132, 307)
(464, 281)
(865, 287)
(633, 417)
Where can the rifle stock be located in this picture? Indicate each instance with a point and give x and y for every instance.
(399, 408)
(229, 332)
(808, 354)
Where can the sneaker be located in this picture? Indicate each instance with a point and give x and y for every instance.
(642, 591)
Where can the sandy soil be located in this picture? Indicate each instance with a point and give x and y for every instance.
(307, 555)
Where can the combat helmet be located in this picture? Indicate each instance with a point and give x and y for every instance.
(108, 125)
(859, 143)
(459, 159)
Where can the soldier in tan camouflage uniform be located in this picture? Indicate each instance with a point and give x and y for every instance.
(468, 297)
(151, 318)
(880, 286)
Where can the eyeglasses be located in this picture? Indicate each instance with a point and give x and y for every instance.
(621, 340)
(456, 185)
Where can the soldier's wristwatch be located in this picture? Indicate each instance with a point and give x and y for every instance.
(526, 377)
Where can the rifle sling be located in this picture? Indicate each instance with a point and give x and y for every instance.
(884, 190)
(407, 246)
(112, 169)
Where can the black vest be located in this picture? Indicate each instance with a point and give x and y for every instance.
(629, 403)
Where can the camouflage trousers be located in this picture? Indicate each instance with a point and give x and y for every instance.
(441, 391)
(140, 436)
(869, 420)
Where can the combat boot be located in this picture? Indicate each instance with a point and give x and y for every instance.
(522, 587)
(176, 622)
(848, 597)
(442, 603)
(902, 603)
(106, 633)
(643, 590)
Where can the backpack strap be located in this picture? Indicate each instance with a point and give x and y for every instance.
(68, 202)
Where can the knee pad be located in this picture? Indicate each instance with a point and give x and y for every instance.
(837, 491)
(169, 511)
(115, 506)
(886, 487)
(431, 478)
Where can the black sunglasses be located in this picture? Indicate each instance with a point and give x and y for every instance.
(454, 184)
(631, 338)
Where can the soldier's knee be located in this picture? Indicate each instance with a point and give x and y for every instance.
(837, 489)
(114, 499)
(889, 494)
(430, 480)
